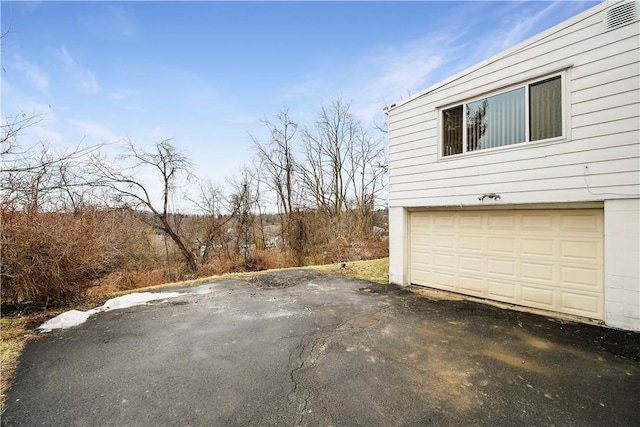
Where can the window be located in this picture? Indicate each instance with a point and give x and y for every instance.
(529, 113)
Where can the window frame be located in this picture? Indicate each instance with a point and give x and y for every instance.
(527, 142)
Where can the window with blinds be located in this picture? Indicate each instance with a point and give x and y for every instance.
(545, 109)
(532, 112)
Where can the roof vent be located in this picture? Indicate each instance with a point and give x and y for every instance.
(621, 15)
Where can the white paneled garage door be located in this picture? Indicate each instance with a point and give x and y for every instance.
(549, 259)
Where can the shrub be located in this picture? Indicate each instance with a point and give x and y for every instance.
(50, 258)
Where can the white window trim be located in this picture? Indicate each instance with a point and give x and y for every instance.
(527, 143)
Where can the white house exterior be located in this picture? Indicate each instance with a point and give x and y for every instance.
(518, 180)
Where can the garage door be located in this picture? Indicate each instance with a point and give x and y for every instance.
(549, 259)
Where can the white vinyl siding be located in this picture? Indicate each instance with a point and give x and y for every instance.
(602, 79)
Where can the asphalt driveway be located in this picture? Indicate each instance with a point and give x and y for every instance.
(300, 348)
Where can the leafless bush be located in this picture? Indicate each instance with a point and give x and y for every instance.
(49, 258)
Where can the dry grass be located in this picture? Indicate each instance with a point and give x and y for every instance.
(375, 270)
(12, 332)
(15, 331)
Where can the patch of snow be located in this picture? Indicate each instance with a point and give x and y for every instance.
(73, 318)
(67, 319)
(131, 300)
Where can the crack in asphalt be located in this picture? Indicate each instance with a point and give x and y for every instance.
(312, 346)
(294, 378)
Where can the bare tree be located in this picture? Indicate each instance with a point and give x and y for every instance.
(49, 255)
(12, 126)
(75, 193)
(128, 190)
(243, 202)
(327, 148)
(35, 176)
(345, 167)
(277, 166)
(344, 172)
(211, 234)
(367, 158)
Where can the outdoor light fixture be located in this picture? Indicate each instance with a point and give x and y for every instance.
(493, 196)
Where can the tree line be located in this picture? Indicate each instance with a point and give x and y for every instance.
(86, 217)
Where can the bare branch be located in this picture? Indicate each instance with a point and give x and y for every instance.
(127, 189)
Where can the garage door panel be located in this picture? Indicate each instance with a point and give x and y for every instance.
(501, 222)
(421, 222)
(473, 222)
(538, 297)
(422, 267)
(443, 261)
(470, 243)
(582, 222)
(471, 284)
(583, 249)
(580, 303)
(444, 280)
(579, 276)
(422, 257)
(543, 273)
(549, 259)
(538, 222)
(471, 264)
(501, 290)
(538, 247)
(444, 242)
(502, 267)
(444, 221)
(503, 245)
(423, 276)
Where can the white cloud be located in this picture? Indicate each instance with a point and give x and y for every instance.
(523, 23)
(407, 68)
(517, 21)
(395, 75)
(120, 94)
(384, 74)
(38, 77)
(123, 20)
(408, 73)
(153, 135)
(240, 120)
(83, 78)
(47, 132)
(115, 21)
(181, 85)
(15, 102)
(393, 72)
(95, 131)
(390, 73)
(306, 85)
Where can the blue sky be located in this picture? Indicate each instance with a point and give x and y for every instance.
(206, 73)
